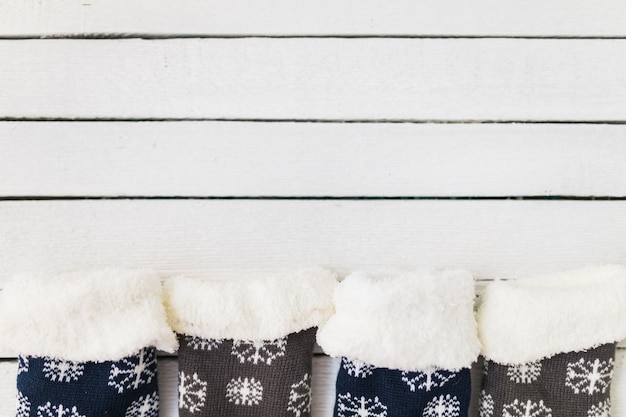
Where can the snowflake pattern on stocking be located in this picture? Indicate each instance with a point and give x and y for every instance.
(485, 404)
(50, 410)
(133, 371)
(526, 409)
(525, 373)
(259, 351)
(244, 391)
(23, 405)
(443, 406)
(300, 397)
(603, 409)
(191, 392)
(62, 371)
(357, 368)
(22, 365)
(425, 381)
(349, 406)
(144, 407)
(589, 377)
(199, 343)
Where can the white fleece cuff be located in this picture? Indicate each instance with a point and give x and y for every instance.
(526, 320)
(85, 316)
(259, 307)
(412, 321)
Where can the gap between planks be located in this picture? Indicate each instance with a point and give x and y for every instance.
(315, 198)
(148, 36)
(372, 120)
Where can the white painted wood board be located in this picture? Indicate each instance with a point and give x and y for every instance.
(310, 159)
(309, 78)
(324, 374)
(322, 17)
(502, 238)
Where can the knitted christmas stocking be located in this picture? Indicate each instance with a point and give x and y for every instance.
(407, 343)
(246, 347)
(549, 343)
(86, 343)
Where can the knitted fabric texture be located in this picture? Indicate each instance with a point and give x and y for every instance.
(565, 385)
(49, 387)
(246, 346)
(245, 378)
(364, 390)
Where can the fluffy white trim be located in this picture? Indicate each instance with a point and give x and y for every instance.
(85, 316)
(259, 307)
(530, 319)
(413, 321)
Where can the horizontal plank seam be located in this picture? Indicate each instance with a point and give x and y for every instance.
(271, 197)
(148, 36)
(282, 120)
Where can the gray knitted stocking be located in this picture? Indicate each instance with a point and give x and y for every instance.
(242, 378)
(572, 384)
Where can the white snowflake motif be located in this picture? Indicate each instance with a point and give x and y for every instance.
(133, 371)
(589, 377)
(443, 406)
(22, 364)
(300, 397)
(62, 371)
(485, 404)
(191, 392)
(525, 373)
(50, 410)
(259, 351)
(603, 409)
(199, 343)
(357, 368)
(23, 405)
(349, 406)
(144, 407)
(526, 409)
(430, 378)
(244, 391)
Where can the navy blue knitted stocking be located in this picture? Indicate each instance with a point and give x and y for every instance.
(367, 391)
(49, 387)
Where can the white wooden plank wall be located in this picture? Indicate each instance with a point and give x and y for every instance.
(258, 135)
(314, 159)
(321, 18)
(315, 78)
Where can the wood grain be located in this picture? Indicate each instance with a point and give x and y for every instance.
(336, 79)
(323, 17)
(492, 239)
(310, 159)
(324, 374)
